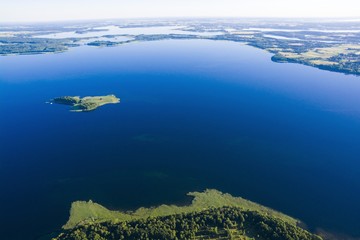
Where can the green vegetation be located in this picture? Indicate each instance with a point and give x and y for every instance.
(212, 223)
(85, 104)
(341, 58)
(25, 45)
(211, 215)
(84, 212)
(67, 100)
(103, 43)
(107, 43)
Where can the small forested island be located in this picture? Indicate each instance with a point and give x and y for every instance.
(85, 104)
(212, 215)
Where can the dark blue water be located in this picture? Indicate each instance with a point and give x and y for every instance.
(193, 115)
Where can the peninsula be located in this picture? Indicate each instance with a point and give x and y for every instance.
(85, 104)
(212, 215)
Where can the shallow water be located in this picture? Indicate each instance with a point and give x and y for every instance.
(194, 114)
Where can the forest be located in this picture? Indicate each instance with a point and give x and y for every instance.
(212, 223)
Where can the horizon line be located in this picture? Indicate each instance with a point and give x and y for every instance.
(353, 19)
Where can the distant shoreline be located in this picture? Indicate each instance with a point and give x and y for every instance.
(322, 46)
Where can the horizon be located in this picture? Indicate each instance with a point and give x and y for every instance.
(21, 11)
(110, 20)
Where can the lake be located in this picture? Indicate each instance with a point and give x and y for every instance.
(194, 114)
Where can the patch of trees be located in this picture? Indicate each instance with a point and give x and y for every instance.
(67, 100)
(213, 223)
(19, 45)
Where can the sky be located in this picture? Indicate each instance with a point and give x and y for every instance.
(59, 10)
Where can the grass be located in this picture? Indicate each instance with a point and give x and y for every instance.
(83, 212)
(91, 103)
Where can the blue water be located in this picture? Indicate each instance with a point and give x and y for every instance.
(194, 114)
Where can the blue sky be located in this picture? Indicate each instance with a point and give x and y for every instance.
(53, 10)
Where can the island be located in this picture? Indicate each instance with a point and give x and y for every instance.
(85, 104)
(211, 215)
